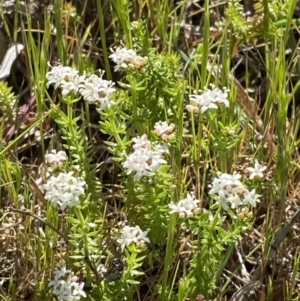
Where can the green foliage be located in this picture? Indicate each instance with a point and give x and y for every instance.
(7, 103)
(80, 151)
(149, 95)
(188, 255)
(265, 21)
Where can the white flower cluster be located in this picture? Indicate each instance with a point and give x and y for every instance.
(66, 286)
(124, 58)
(256, 171)
(55, 159)
(228, 189)
(97, 90)
(64, 77)
(64, 190)
(186, 207)
(92, 88)
(133, 235)
(210, 99)
(164, 130)
(145, 159)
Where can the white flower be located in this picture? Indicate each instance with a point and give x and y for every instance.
(93, 89)
(141, 142)
(60, 73)
(186, 206)
(251, 198)
(124, 58)
(65, 286)
(55, 159)
(161, 148)
(145, 159)
(228, 189)
(78, 290)
(256, 171)
(64, 77)
(59, 273)
(62, 289)
(209, 99)
(163, 129)
(233, 199)
(203, 101)
(132, 235)
(64, 190)
(226, 179)
(224, 186)
(97, 90)
(143, 163)
(72, 86)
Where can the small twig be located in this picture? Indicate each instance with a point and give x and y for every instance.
(28, 212)
(277, 241)
(241, 293)
(93, 268)
(244, 272)
(274, 247)
(11, 226)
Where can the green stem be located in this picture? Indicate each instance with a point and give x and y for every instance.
(169, 254)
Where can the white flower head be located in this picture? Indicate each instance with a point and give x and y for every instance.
(60, 273)
(132, 235)
(66, 78)
(143, 163)
(78, 290)
(97, 90)
(251, 198)
(185, 206)
(65, 286)
(257, 171)
(229, 190)
(64, 190)
(209, 99)
(55, 159)
(145, 159)
(141, 142)
(124, 58)
(163, 129)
